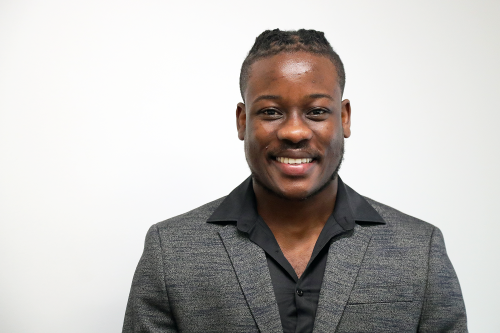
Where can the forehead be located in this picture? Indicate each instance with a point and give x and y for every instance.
(297, 71)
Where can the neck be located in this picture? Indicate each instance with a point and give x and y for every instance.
(296, 219)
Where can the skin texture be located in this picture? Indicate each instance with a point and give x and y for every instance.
(294, 109)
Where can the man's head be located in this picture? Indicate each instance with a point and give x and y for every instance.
(293, 121)
(272, 42)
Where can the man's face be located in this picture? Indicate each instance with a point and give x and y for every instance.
(293, 123)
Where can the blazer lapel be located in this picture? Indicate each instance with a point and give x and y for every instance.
(344, 260)
(250, 265)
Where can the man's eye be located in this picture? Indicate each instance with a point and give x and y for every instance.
(270, 112)
(317, 112)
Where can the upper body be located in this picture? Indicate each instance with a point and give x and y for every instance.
(200, 273)
(355, 265)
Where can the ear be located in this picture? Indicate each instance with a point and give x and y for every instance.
(346, 117)
(241, 120)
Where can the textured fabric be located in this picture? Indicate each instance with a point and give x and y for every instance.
(195, 276)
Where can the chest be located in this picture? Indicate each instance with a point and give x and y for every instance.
(298, 255)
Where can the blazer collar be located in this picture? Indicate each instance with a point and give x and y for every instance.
(345, 256)
(250, 265)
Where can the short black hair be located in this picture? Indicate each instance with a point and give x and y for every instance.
(272, 42)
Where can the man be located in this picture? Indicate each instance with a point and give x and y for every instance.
(294, 249)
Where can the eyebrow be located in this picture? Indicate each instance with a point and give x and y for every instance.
(316, 96)
(271, 97)
(275, 97)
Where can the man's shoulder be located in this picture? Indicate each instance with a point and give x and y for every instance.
(398, 220)
(192, 219)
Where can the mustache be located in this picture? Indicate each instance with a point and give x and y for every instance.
(301, 146)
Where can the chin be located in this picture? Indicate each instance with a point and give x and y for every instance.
(295, 193)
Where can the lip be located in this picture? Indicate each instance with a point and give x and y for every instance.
(296, 170)
(294, 154)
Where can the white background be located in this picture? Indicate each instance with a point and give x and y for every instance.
(115, 115)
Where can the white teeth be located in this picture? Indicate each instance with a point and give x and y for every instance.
(288, 160)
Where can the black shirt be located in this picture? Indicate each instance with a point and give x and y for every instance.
(297, 298)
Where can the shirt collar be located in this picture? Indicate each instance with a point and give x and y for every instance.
(240, 207)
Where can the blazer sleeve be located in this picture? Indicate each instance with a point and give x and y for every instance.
(148, 308)
(443, 306)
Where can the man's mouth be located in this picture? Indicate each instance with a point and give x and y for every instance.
(288, 160)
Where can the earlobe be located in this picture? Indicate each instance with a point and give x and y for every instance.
(346, 117)
(241, 120)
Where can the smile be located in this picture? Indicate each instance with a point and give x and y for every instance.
(288, 160)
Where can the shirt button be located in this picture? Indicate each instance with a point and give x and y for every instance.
(300, 292)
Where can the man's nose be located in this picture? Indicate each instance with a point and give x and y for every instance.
(295, 129)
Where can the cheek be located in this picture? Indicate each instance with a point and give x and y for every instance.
(258, 135)
(331, 138)
(254, 146)
(326, 134)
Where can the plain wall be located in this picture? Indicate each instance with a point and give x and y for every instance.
(115, 115)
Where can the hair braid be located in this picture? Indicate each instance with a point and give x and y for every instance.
(272, 42)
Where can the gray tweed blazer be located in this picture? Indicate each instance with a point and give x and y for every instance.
(199, 277)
